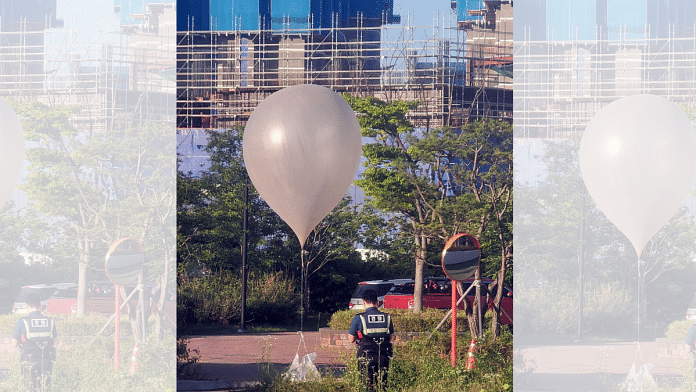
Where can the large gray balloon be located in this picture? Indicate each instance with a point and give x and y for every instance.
(638, 161)
(11, 150)
(302, 147)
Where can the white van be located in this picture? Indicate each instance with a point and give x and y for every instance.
(380, 286)
(44, 291)
(691, 310)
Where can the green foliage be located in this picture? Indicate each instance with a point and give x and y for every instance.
(404, 320)
(547, 220)
(216, 298)
(332, 286)
(209, 235)
(551, 309)
(677, 330)
(87, 189)
(186, 358)
(209, 216)
(423, 365)
(86, 365)
(405, 174)
(68, 324)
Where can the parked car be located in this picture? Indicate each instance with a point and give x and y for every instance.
(44, 291)
(437, 293)
(691, 310)
(100, 298)
(381, 286)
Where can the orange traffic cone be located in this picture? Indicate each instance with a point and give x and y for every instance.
(134, 359)
(470, 360)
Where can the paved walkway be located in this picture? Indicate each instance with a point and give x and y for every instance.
(235, 361)
(591, 367)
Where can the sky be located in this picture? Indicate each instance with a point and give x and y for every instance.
(423, 12)
(98, 15)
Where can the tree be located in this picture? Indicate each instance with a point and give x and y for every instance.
(209, 232)
(143, 203)
(485, 203)
(439, 181)
(92, 188)
(62, 181)
(209, 215)
(547, 220)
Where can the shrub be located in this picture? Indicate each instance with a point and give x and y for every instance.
(70, 325)
(552, 308)
(677, 330)
(216, 298)
(89, 367)
(404, 320)
(423, 364)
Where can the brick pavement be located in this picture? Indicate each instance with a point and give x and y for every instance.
(237, 358)
(593, 367)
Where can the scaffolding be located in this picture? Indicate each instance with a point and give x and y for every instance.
(117, 79)
(223, 75)
(560, 85)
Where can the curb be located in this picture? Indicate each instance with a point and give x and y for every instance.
(206, 385)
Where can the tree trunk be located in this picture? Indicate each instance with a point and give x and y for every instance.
(159, 327)
(136, 313)
(471, 315)
(420, 263)
(495, 323)
(82, 279)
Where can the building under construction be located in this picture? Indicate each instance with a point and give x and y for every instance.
(227, 64)
(559, 86)
(606, 53)
(117, 79)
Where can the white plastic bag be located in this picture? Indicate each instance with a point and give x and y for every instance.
(304, 370)
(640, 380)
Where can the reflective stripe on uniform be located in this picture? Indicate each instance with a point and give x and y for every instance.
(374, 331)
(32, 334)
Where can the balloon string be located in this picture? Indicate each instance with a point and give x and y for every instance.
(640, 288)
(302, 290)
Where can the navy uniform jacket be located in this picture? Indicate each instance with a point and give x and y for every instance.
(34, 329)
(375, 328)
(691, 337)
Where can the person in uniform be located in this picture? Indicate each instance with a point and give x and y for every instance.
(372, 330)
(34, 334)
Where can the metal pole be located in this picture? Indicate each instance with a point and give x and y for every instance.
(117, 327)
(242, 326)
(453, 351)
(143, 315)
(477, 283)
(581, 267)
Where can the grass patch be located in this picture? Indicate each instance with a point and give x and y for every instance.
(89, 367)
(312, 322)
(87, 364)
(216, 299)
(421, 365)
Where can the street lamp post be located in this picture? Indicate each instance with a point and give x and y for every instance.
(245, 219)
(581, 266)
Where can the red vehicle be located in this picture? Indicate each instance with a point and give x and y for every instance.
(100, 299)
(437, 293)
